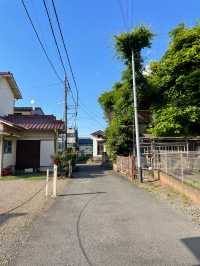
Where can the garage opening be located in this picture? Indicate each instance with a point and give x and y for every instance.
(28, 155)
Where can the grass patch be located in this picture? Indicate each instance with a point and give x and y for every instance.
(165, 192)
(23, 177)
(193, 183)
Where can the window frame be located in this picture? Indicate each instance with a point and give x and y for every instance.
(7, 146)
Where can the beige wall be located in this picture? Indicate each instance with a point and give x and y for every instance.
(6, 98)
(46, 152)
(47, 146)
(9, 159)
(35, 135)
(47, 149)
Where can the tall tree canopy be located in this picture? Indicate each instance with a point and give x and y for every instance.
(175, 80)
(118, 103)
(171, 91)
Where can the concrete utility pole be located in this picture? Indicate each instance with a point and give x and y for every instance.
(137, 134)
(65, 109)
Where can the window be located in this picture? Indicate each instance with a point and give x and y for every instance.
(7, 146)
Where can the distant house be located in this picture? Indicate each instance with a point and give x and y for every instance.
(72, 139)
(85, 146)
(28, 138)
(28, 111)
(98, 138)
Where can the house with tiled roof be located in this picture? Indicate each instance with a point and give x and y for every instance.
(28, 137)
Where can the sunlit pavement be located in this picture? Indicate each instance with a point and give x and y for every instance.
(102, 219)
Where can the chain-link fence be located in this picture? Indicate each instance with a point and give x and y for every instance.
(184, 166)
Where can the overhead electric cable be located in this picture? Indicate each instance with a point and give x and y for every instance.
(58, 50)
(40, 42)
(123, 14)
(65, 48)
(54, 36)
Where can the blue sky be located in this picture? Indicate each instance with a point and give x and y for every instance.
(88, 27)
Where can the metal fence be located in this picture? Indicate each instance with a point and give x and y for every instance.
(150, 152)
(184, 166)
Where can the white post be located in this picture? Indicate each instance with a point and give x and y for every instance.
(182, 172)
(55, 174)
(47, 184)
(136, 122)
(70, 169)
(166, 163)
(1, 155)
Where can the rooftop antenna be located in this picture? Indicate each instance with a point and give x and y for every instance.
(33, 104)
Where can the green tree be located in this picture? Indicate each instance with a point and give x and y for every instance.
(175, 81)
(118, 103)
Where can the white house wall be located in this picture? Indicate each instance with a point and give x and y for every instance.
(46, 153)
(34, 135)
(6, 98)
(9, 159)
(47, 146)
(95, 147)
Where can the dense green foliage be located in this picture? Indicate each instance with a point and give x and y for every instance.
(176, 82)
(171, 91)
(118, 103)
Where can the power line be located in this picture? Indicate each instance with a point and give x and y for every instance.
(49, 60)
(73, 98)
(96, 120)
(60, 56)
(124, 17)
(54, 36)
(40, 42)
(70, 65)
(65, 48)
(131, 14)
(94, 114)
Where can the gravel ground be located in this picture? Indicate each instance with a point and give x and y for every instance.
(16, 192)
(15, 225)
(173, 198)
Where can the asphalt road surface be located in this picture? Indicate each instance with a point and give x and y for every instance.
(102, 219)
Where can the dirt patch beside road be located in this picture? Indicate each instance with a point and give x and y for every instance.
(25, 199)
(177, 200)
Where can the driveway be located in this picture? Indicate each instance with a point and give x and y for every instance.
(102, 219)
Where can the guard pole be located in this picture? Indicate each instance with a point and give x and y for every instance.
(47, 184)
(70, 169)
(137, 135)
(55, 175)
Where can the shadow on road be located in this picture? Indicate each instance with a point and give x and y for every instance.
(4, 217)
(81, 194)
(89, 171)
(193, 244)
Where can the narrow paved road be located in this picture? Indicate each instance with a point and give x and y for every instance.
(102, 219)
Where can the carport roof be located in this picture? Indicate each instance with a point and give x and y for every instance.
(9, 123)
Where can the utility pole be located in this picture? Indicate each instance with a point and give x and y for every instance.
(65, 108)
(137, 134)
